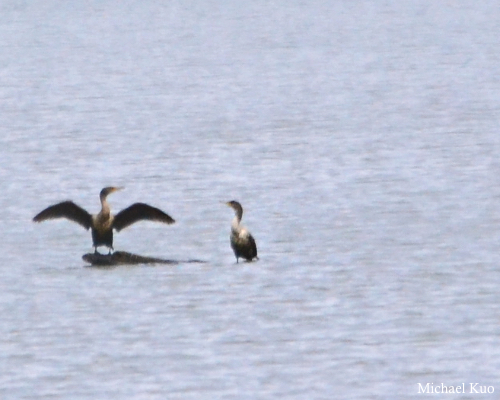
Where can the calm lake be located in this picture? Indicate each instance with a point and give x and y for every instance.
(362, 139)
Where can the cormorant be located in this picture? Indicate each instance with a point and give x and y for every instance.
(102, 224)
(242, 242)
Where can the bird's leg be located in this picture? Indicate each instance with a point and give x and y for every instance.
(95, 249)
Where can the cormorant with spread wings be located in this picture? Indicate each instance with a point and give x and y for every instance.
(103, 223)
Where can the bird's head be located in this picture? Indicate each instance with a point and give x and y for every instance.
(108, 190)
(235, 206)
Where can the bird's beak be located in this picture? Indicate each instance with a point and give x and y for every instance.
(116, 189)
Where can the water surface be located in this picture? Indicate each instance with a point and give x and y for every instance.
(362, 141)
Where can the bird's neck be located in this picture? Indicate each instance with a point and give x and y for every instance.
(235, 224)
(105, 210)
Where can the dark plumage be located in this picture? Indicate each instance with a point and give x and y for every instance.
(102, 224)
(242, 242)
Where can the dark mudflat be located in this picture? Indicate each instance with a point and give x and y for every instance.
(124, 258)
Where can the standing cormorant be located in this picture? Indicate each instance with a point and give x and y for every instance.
(242, 242)
(102, 224)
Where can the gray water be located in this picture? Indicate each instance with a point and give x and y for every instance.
(362, 139)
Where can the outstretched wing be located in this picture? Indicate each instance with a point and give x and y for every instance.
(68, 210)
(137, 212)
